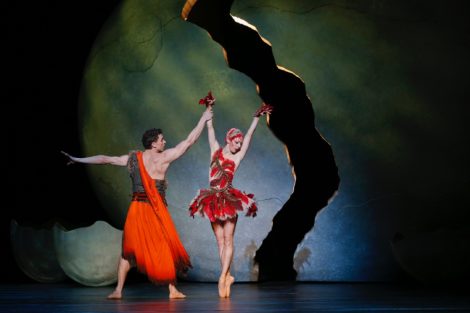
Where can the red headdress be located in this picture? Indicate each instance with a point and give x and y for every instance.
(232, 134)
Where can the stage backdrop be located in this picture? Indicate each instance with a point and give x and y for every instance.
(383, 83)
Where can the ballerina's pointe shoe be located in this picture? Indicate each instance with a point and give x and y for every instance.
(228, 283)
(222, 288)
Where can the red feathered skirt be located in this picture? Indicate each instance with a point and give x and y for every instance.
(220, 205)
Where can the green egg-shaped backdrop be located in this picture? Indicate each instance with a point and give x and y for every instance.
(371, 72)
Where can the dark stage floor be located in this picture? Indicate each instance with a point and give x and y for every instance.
(263, 297)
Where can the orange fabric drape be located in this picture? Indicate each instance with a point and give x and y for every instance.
(150, 238)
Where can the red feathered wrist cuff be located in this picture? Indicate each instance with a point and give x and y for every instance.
(207, 100)
(264, 109)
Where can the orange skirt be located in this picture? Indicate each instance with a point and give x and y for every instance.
(151, 243)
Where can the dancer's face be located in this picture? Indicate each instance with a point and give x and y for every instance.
(235, 144)
(159, 144)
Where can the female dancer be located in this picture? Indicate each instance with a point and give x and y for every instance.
(221, 202)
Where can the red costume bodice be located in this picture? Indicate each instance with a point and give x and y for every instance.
(221, 172)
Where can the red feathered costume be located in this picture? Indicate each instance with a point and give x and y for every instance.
(222, 201)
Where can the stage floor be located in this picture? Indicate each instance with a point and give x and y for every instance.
(246, 297)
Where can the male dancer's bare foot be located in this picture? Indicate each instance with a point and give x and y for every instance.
(115, 295)
(222, 287)
(175, 293)
(228, 283)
